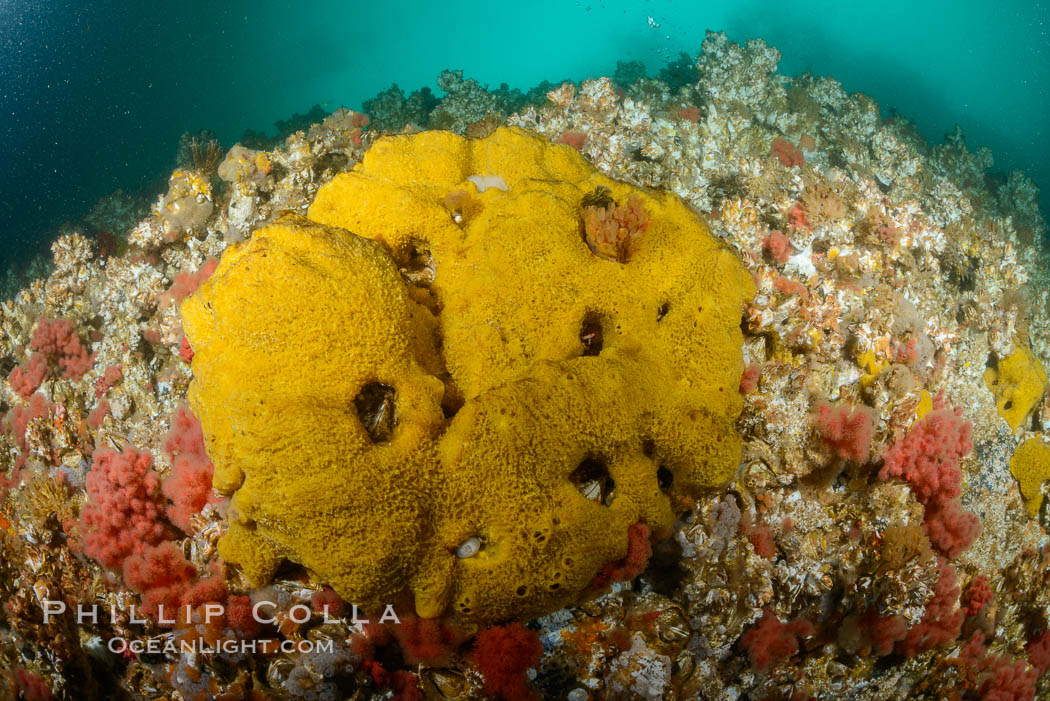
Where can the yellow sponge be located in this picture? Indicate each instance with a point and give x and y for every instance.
(459, 407)
(1018, 383)
(1030, 465)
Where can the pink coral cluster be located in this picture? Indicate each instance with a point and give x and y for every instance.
(777, 246)
(994, 677)
(187, 282)
(125, 510)
(56, 345)
(770, 641)
(942, 621)
(503, 654)
(639, 550)
(189, 485)
(847, 430)
(927, 458)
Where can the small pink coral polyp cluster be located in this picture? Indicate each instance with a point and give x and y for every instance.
(927, 458)
(56, 345)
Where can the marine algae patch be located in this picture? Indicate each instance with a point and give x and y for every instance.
(443, 397)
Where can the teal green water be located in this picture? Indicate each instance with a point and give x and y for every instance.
(95, 98)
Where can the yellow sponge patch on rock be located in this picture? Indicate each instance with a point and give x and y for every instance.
(461, 406)
(1030, 466)
(1018, 383)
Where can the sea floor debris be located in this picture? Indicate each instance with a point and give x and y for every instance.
(884, 536)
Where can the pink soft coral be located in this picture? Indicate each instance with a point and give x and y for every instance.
(639, 549)
(771, 641)
(58, 341)
(26, 379)
(125, 509)
(942, 621)
(847, 430)
(927, 457)
(189, 484)
(186, 283)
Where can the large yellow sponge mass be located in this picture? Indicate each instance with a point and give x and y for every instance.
(460, 406)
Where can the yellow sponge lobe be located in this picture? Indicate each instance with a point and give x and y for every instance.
(1018, 383)
(460, 406)
(1030, 465)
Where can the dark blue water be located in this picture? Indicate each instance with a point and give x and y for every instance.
(95, 96)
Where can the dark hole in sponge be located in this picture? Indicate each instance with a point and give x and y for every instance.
(662, 311)
(664, 478)
(375, 408)
(591, 335)
(593, 480)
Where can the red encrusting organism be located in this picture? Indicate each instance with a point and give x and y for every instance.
(576, 139)
(189, 484)
(186, 283)
(32, 686)
(503, 654)
(788, 154)
(777, 246)
(690, 114)
(927, 458)
(639, 550)
(770, 641)
(239, 616)
(847, 430)
(328, 602)
(760, 536)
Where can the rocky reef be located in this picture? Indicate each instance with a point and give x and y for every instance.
(718, 385)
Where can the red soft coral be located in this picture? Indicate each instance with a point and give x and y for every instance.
(777, 246)
(771, 641)
(942, 621)
(186, 283)
(950, 528)
(749, 378)
(162, 575)
(977, 595)
(639, 550)
(21, 416)
(847, 430)
(189, 484)
(57, 339)
(1038, 650)
(503, 654)
(927, 457)
(882, 632)
(125, 509)
(1008, 680)
(27, 379)
(427, 641)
